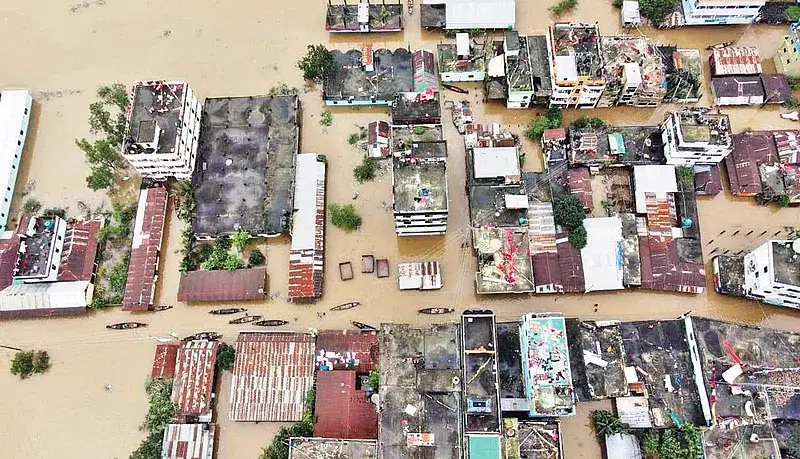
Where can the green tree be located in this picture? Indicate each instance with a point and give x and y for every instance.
(161, 410)
(116, 94)
(226, 355)
(100, 153)
(22, 364)
(366, 170)
(233, 262)
(577, 237)
(256, 258)
(568, 211)
(588, 121)
(317, 64)
(670, 447)
(55, 212)
(353, 139)
(345, 217)
(606, 423)
(41, 361)
(656, 11)
(31, 206)
(691, 439)
(686, 175)
(149, 448)
(551, 119)
(649, 441)
(100, 178)
(563, 6)
(793, 13)
(239, 239)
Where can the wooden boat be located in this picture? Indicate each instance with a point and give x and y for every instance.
(162, 308)
(271, 323)
(345, 306)
(244, 320)
(383, 267)
(226, 311)
(436, 310)
(362, 326)
(126, 325)
(211, 336)
(455, 88)
(367, 264)
(345, 270)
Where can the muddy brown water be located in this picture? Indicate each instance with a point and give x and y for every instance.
(62, 52)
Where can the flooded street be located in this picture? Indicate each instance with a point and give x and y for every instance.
(62, 52)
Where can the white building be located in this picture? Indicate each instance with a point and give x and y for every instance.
(696, 136)
(163, 128)
(706, 12)
(15, 114)
(460, 62)
(772, 273)
(576, 65)
(40, 250)
(602, 256)
(420, 201)
(477, 14)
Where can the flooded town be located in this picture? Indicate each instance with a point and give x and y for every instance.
(439, 229)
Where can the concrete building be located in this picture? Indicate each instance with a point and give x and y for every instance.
(772, 273)
(163, 128)
(546, 365)
(461, 61)
(41, 247)
(576, 65)
(368, 77)
(363, 17)
(15, 114)
(633, 71)
(721, 12)
(527, 70)
(468, 14)
(787, 59)
(696, 136)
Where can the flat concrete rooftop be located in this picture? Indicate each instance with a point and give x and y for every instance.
(420, 187)
(159, 102)
(246, 159)
(391, 74)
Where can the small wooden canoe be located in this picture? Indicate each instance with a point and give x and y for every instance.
(271, 323)
(211, 336)
(126, 325)
(226, 311)
(345, 270)
(244, 320)
(455, 88)
(162, 308)
(383, 267)
(367, 264)
(436, 310)
(345, 306)
(362, 326)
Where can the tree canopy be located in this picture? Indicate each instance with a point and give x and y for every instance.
(551, 119)
(345, 217)
(656, 11)
(317, 63)
(568, 211)
(239, 239)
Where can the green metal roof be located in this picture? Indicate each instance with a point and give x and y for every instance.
(484, 447)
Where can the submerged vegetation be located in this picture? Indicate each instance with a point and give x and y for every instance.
(365, 171)
(159, 414)
(26, 363)
(107, 122)
(551, 119)
(344, 216)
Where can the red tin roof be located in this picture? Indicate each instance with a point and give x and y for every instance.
(580, 184)
(546, 269)
(272, 374)
(570, 265)
(164, 361)
(749, 151)
(188, 441)
(708, 182)
(147, 234)
(363, 344)
(80, 250)
(223, 285)
(341, 410)
(194, 378)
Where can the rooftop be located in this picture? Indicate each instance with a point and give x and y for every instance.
(631, 257)
(416, 108)
(379, 17)
(223, 285)
(44, 299)
(38, 251)
(148, 230)
(658, 180)
(495, 163)
(788, 144)
(404, 139)
(786, 264)
(620, 50)
(687, 64)
(776, 88)
(518, 68)
(750, 150)
(164, 361)
(450, 61)
(480, 371)
(539, 60)
(737, 87)
(329, 448)
(532, 440)
(350, 80)
(188, 441)
(418, 395)
(342, 408)
(597, 359)
(193, 385)
(707, 180)
(497, 206)
(545, 365)
(509, 363)
(726, 442)
(155, 103)
(729, 275)
(570, 265)
(432, 16)
(306, 272)
(420, 179)
(576, 52)
(246, 159)
(579, 182)
(504, 260)
(703, 126)
(621, 144)
(736, 60)
(272, 375)
(80, 250)
(348, 350)
(480, 14)
(602, 256)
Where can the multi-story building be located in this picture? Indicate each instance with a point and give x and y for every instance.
(15, 114)
(772, 273)
(41, 247)
(787, 59)
(696, 136)
(576, 65)
(526, 70)
(705, 12)
(633, 72)
(163, 128)
(459, 61)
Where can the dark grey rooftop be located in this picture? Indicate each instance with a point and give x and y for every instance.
(509, 360)
(631, 257)
(392, 75)
(246, 159)
(636, 139)
(786, 263)
(404, 138)
(737, 86)
(449, 60)
(160, 103)
(518, 68)
(408, 110)
(731, 275)
(480, 372)
(382, 17)
(540, 65)
(432, 16)
(487, 206)
(538, 440)
(537, 186)
(591, 381)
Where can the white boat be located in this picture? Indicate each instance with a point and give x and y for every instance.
(794, 116)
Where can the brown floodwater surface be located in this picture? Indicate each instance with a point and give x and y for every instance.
(62, 52)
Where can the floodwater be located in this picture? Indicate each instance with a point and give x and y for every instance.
(62, 52)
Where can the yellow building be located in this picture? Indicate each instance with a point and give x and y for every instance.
(787, 59)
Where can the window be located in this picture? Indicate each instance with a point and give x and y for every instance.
(756, 274)
(26, 111)
(765, 269)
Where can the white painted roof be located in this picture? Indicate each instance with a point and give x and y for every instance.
(623, 446)
(566, 68)
(516, 201)
(307, 172)
(495, 162)
(633, 75)
(480, 14)
(630, 12)
(659, 180)
(51, 295)
(602, 256)
(462, 44)
(12, 113)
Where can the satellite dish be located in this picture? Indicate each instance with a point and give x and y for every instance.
(796, 246)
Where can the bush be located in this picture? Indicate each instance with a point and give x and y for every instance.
(317, 63)
(226, 355)
(568, 211)
(345, 217)
(220, 258)
(649, 442)
(686, 175)
(551, 119)
(375, 379)
(586, 121)
(118, 276)
(365, 171)
(239, 239)
(55, 212)
(31, 206)
(563, 6)
(419, 130)
(617, 3)
(577, 237)
(783, 200)
(793, 13)
(326, 119)
(256, 258)
(606, 423)
(26, 363)
(353, 139)
(656, 11)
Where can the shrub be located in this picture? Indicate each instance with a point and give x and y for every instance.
(31, 205)
(577, 237)
(783, 200)
(649, 441)
(551, 119)
(239, 239)
(587, 121)
(419, 130)
(606, 423)
(365, 171)
(345, 217)
(256, 258)
(55, 212)
(563, 6)
(793, 13)
(26, 363)
(118, 276)
(617, 3)
(226, 355)
(326, 119)
(353, 139)
(317, 63)
(375, 379)
(686, 175)
(41, 362)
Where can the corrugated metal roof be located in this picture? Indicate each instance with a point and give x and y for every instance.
(194, 378)
(580, 185)
(736, 60)
(80, 250)
(570, 265)
(164, 361)
(188, 441)
(223, 285)
(45, 299)
(147, 234)
(363, 345)
(341, 410)
(480, 14)
(749, 151)
(272, 375)
(788, 145)
(307, 255)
